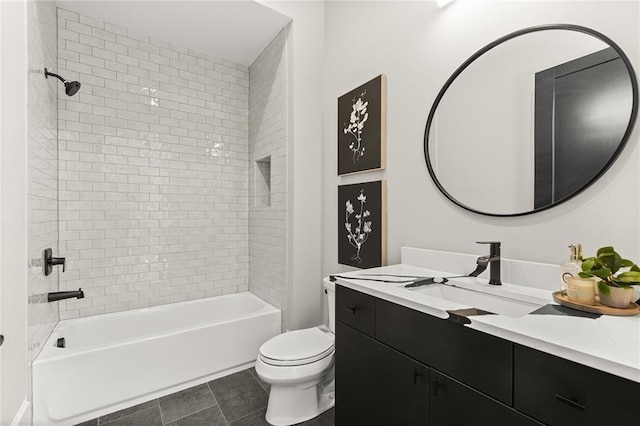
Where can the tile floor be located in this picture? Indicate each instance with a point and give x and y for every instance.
(239, 399)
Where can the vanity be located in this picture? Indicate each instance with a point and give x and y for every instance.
(419, 357)
(465, 353)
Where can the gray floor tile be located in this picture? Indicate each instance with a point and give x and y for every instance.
(186, 402)
(208, 417)
(266, 386)
(238, 394)
(328, 418)
(258, 419)
(127, 411)
(148, 417)
(253, 419)
(241, 401)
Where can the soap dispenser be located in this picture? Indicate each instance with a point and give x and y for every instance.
(572, 267)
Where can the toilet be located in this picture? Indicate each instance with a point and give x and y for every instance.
(299, 367)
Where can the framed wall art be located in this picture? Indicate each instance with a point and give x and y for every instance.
(362, 224)
(361, 128)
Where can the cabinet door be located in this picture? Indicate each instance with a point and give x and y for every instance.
(480, 360)
(376, 385)
(455, 404)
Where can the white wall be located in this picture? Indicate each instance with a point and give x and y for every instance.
(268, 201)
(418, 46)
(305, 47)
(13, 213)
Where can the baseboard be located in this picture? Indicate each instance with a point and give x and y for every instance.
(23, 416)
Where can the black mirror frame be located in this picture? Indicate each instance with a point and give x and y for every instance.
(537, 28)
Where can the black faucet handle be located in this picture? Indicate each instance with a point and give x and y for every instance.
(59, 261)
(494, 250)
(48, 261)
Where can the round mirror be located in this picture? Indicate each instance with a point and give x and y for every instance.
(531, 120)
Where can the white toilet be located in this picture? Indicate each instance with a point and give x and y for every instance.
(299, 367)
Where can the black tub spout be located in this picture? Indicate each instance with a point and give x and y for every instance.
(60, 295)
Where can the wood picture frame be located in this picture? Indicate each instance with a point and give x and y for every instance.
(362, 128)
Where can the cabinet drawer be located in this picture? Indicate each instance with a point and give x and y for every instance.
(482, 361)
(561, 392)
(355, 309)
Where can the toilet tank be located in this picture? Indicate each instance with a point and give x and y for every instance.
(330, 292)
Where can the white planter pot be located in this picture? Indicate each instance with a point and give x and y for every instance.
(618, 298)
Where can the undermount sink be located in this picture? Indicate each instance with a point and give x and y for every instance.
(477, 299)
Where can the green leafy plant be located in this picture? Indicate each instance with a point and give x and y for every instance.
(605, 265)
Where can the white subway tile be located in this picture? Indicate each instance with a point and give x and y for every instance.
(146, 127)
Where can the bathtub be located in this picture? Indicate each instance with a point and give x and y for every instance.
(117, 360)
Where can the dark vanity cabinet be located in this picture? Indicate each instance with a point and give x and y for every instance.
(398, 366)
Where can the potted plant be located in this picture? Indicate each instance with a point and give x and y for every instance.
(614, 286)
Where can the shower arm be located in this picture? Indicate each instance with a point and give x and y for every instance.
(47, 74)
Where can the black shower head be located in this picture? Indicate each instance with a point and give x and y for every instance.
(70, 87)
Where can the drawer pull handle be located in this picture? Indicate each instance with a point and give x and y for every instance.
(351, 309)
(435, 387)
(571, 403)
(414, 376)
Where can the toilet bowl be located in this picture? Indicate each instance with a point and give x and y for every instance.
(299, 367)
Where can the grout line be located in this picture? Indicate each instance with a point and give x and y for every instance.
(259, 381)
(190, 414)
(160, 409)
(248, 414)
(216, 400)
(128, 415)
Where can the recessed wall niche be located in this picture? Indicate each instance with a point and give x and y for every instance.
(263, 182)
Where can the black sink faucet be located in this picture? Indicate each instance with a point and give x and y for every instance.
(493, 260)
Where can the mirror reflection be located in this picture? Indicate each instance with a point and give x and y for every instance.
(531, 122)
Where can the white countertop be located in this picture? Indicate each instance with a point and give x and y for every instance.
(607, 343)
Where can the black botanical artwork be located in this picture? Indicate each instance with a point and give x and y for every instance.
(362, 224)
(361, 128)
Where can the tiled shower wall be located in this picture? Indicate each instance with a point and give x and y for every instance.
(154, 154)
(268, 188)
(42, 196)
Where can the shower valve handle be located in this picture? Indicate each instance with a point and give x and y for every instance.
(48, 262)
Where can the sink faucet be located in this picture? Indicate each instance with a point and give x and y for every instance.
(493, 260)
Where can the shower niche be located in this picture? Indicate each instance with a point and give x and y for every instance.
(263, 182)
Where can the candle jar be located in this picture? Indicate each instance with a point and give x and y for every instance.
(581, 290)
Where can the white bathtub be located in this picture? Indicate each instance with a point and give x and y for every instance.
(117, 360)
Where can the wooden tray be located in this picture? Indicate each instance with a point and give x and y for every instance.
(598, 308)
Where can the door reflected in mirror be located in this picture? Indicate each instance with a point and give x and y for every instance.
(531, 120)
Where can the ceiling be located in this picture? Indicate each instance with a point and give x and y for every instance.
(236, 30)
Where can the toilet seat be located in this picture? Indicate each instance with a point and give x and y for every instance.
(298, 347)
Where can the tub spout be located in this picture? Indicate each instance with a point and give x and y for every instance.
(60, 295)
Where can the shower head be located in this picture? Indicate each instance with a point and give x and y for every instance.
(70, 87)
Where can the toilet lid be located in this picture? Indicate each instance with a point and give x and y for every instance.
(297, 347)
